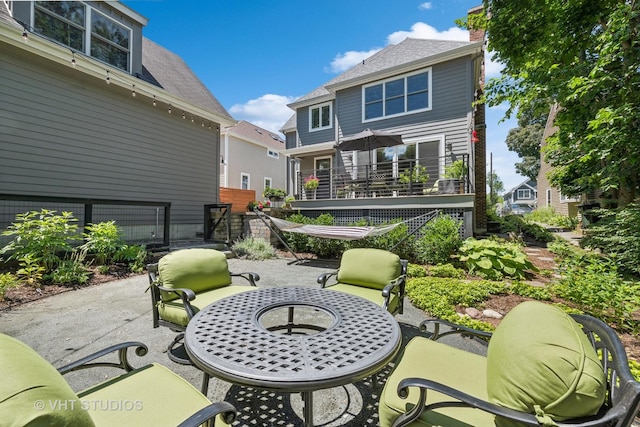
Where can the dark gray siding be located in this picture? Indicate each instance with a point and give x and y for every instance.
(65, 134)
(308, 138)
(451, 104)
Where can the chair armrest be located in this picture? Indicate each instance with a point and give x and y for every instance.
(324, 278)
(455, 329)
(397, 282)
(185, 295)
(227, 410)
(252, 278)
(461, 400)
(122, 348)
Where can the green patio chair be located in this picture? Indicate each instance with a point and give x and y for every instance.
(34, 393)
(373, 274)
(543, 368)
(185, 281)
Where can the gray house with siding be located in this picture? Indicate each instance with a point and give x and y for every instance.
(424, 90)
(99, 120)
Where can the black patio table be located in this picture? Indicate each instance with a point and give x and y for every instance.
(342, 339)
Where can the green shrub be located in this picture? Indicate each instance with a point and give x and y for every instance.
(617, 233)
(31, 271)
(102, 240)
(395, 240)
(42, 235)
(70, 272)
(529, 291)
(298, 242)
(255, 248)
(7, 281)
(446, 270)
(593, 284)
(415, 270)
(134, 255)
(518, 225)
(551, 217)
(493, 259)
(440, 239)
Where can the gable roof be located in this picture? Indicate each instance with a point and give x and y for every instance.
(250, 132)
(407, 55)
(165, 69)
(528, 183)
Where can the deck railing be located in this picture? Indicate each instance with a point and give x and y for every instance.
(389, 179)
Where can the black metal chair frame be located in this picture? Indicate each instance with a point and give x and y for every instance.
(205, 415)
(623, 391)
(387, 291)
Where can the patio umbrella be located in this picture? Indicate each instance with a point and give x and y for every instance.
(368, 140)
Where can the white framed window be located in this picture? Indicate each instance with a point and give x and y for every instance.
(268, 182)
(548, 194)
(524, 193)
(84, 29)
(320, 117)
(273, 153)
(244, 181)
(567, 199)
(397, 96)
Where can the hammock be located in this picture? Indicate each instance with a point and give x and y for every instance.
(342, 232)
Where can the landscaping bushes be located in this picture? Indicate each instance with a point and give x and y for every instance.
(46, 246)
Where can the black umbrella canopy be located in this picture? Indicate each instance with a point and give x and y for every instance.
(369, 139)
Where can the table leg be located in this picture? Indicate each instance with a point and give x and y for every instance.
(307, 408)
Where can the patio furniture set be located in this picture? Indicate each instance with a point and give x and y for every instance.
(543, 366)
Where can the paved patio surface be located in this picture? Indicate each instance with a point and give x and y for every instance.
(68, 326)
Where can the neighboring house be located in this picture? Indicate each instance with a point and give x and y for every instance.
(98, 117)
(421, 89)
(524, 193)
(251, 158)
(549, 196)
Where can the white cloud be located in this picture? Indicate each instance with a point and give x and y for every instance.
(420, 30)
(425, 6)
(344, 61)
(268, 111)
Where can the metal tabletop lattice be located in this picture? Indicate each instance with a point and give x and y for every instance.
(227, 340)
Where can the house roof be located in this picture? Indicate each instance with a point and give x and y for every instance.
(409, 54)
(165, 69)
(290, 125)
(250, 132)
(529, 183)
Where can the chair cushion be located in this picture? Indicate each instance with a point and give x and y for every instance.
(424, 358)
(197, 269)
(151, 395)
(371, 268)
(33, 392)
(174, 312)
(373, 295)
(539, 356)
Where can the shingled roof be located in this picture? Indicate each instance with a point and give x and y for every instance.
(250, 132)
(165, 69)
(405, 53)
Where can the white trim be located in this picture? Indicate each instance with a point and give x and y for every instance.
(242, 175)
(273, 153)
(565, 199)
(428, 71)
(309, 149)
(319, 107)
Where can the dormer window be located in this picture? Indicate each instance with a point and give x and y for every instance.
(85, 29)
(320, 117)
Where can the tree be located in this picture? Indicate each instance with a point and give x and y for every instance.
(496, 187)
(525, 139)
(583, 55)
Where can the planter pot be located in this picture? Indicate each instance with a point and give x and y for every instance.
(310, 194)
(449, 186)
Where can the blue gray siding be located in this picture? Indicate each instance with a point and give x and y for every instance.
(65, 134)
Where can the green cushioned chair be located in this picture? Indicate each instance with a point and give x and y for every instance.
(185, 281)
(34, 393)
(373, 274)
(543, 367)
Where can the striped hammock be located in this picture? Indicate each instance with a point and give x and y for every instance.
(333, 231)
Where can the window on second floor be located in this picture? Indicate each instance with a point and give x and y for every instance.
(396, 96)
(524, 193)
(320, 117)
(273, 153)
(85, 30)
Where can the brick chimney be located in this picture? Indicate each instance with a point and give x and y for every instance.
(479, 124)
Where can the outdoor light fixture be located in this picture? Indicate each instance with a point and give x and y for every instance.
(183, 116)
(154, 100)
(169, 111)
(25, 35)
(73, 59)
(133, 91)
(108, 78)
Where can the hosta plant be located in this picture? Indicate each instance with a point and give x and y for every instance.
(494, 259)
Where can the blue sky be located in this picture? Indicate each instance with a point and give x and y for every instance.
(257, 56)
